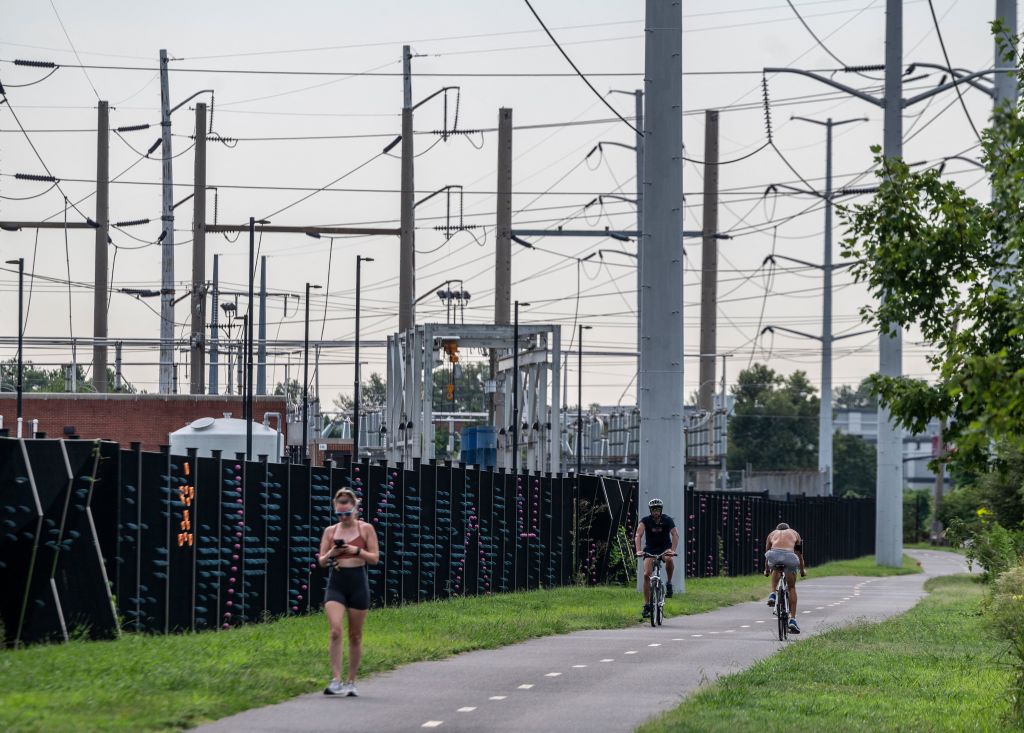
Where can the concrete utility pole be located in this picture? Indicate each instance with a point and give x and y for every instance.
(197, 342)
(825, 465)
(503, 247)
(639, 145)
(214, 307)
(709, 283)
(661, 301)
(407, 244)
(166, 237)
(99, 318)
(889, 473)
(1006, 83)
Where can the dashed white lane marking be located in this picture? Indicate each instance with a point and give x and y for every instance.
(716, 632)
(678, 639)
(819, 608)
(805, 612)
(607, 660)
(731, 631)
(631, 652)
(525, 687)
(847, 598)
(696, 636)
(745, 626)
(578, 666)
(760, 622)
(654, 645)
(553, 674)
(497, 697)
(432, 724)
(465, 710)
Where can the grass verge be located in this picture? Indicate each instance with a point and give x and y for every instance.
(934, 668)
(156, 683)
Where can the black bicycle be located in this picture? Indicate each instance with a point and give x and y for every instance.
(657, 589)
(782, 602)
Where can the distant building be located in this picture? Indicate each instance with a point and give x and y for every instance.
(918, 450)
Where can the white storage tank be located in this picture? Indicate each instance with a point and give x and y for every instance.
(227, 434)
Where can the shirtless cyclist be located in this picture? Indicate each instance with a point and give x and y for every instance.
(785, 547)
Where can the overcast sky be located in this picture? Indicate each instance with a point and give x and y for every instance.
(552, 178)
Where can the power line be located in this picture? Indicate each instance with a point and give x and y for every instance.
(580, 73)
(949, 65)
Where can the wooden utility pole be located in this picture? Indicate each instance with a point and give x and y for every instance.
(709, 287)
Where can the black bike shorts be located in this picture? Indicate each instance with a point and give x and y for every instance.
(350, 587)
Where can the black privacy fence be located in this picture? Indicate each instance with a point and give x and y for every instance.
(95, 538)
(723, 532)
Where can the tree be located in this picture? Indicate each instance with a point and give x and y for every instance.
(49, 380)
(373, 395)
(933, 256)
(293, 391)
(775, 421)
(846, 397)
(853, 471)
(468, 394)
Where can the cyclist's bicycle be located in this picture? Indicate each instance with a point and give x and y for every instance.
(782, 602)
(657, 589)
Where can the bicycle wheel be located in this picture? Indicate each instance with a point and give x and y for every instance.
(782, 611)
(655, 597)
(660, 608)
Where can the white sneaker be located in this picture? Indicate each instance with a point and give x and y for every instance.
(350, 688)
(335, 688)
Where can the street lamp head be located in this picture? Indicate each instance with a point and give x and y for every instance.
(15, 262)
(585, 328)
(314, 287)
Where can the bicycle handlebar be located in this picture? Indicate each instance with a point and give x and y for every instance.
(666, 552)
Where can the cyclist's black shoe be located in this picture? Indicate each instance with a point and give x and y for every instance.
(668, 590)
(771, 600)
(646, 613)
(793, 628)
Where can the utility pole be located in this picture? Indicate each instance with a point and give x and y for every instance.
(503, 248)
(99, 318)
(167, 236)
(197, 342)
(661, 295)
(825, 465)
(261, 349)
(214, 307)
(639, 145)
(407, 244)
(1006, 83)
(709, 284)
(889, 481)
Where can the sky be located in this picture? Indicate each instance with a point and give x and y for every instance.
(293, 133)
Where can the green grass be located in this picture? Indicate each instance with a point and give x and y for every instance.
(147, 683)
(935, 668)
(929, 546)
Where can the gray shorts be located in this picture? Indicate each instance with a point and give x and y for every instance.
(785, 557)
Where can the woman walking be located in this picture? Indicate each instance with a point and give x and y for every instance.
(347, 548)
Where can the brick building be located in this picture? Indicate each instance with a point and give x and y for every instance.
(124, 418)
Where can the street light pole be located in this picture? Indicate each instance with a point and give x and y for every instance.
(355, 394)
(20, 262)
(248, 342)
(305, 379)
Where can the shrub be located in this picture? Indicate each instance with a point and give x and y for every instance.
(993, 547)
(1005, 608)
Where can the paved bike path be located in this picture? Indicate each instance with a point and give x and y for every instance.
(590, 680)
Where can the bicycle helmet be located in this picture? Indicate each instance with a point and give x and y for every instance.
(655, 504)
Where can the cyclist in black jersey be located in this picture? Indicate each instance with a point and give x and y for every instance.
(662, 539)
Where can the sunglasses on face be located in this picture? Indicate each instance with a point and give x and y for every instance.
(344, 512)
